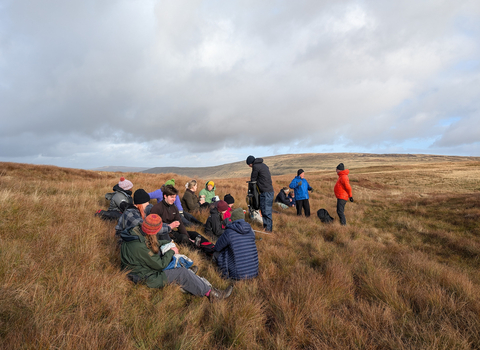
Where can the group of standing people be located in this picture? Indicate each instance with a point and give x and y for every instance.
(300, 186)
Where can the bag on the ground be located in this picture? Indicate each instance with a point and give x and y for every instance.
(108, 215)
(324, 216)
(202, 243)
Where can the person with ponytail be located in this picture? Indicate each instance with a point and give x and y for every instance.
(141, 254)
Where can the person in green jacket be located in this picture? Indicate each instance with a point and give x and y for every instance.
(140, 253)
(208, 192)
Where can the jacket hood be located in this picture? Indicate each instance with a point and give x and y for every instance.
(133, 234)
(117, 188)
(344, 172)
(240, 226)
(214, 186)
(258, 161)
(213, 209)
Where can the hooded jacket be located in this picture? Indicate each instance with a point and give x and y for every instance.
(119, 196)
(301, 191)
(283, 198)
(261, 174)
(208, 194)
(135, 256)
(342, 188)
(169, 214)
(238, 257)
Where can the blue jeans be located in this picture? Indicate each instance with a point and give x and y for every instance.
(266, 203)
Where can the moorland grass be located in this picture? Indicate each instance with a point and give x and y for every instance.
(403, 274)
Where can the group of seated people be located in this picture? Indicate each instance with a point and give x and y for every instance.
(150, 236)
(285, 198)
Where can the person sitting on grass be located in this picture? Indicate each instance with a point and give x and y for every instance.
(235, 251)
(190, 201)
(119, 199)
(216, 222)
(230, 201)
(187, 219)
(208, 193)
(135, 213)
(291, 195)
(141, 255)
(282, 198)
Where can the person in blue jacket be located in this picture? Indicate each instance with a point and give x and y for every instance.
(235, 251)
(301, 187)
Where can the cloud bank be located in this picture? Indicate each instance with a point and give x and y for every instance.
(191, 83)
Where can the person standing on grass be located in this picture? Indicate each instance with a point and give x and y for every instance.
(301, 187)
(261, 174)
(141, 255)
(343, 192)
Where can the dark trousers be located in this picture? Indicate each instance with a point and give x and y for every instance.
(266, 203)
(341, 210)
(305, 204)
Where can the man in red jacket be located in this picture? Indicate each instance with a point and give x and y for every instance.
(343, 192)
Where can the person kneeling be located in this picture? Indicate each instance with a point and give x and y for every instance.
(141, 255)
(236, 253)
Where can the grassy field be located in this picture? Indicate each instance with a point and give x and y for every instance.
(403, 274)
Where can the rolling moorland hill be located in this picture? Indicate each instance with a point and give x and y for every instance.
(403, 274)
(290, 163)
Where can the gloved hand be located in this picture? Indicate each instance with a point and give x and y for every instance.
(311, 190)
(351, 199)
(299, 183)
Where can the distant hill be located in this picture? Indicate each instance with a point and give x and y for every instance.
(123, 169)
(290, 163)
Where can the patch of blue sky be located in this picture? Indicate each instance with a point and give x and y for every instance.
(448, 121)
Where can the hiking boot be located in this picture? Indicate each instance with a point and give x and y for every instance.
(194, 269)
(216, 294)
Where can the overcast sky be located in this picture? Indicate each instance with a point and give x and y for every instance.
(85, 84)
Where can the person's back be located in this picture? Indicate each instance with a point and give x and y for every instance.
(121, 195)
(238, 256)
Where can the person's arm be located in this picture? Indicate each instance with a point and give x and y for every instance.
(181, 227)
(309, 188)
(348, 188)
(294, 183)
(178, 204)
(157, 194)
(223, 241)
(254, 175)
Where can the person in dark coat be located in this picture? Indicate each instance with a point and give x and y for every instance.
(215, 223)
(236, 251)
(282, 198)
(261, 174)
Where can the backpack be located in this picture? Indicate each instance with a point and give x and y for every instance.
(253, 196)
(202, 243)
(324, 216)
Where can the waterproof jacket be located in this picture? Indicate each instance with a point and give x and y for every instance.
(261, 174)
(342, 188)
(208, 194)
(119, 196)
(238, 257)
(158, 195)
(135, 256)
(215, 224)
(283, 198)
(131, 217)
(301, 190)
(190, 201)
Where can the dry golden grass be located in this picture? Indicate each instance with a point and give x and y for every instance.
(402, 275)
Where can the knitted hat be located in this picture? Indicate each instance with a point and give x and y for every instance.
(237, 214)
(170, 182)
(229, 199)
(222, 206)
(211, 183)
(250, 160)
(340, 166)
(152, 224)
(125, 184)
(300, 171)
(140, 196)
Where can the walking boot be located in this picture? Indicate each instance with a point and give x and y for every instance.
(216, 294)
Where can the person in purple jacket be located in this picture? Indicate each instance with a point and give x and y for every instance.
(187, 218)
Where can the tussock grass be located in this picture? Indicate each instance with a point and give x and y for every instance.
(402, 275)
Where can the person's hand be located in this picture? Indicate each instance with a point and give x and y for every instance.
(174, 224)
(175, 249)
(351, 199)
(299, 183)
(290, 199)
(202, 200)
(311, 189)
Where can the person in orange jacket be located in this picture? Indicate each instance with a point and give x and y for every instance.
(343, 192)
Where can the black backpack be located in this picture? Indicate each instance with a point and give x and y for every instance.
(324, 216)
(253, 196)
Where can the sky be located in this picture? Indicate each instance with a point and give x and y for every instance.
(144, 83)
